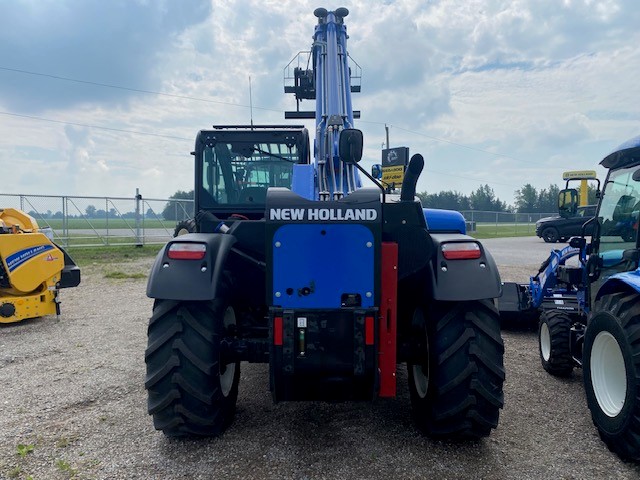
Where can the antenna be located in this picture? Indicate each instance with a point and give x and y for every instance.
(250, 102)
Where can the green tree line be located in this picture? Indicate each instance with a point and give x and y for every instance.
(527, 199)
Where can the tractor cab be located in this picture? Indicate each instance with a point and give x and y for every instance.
(235, 165)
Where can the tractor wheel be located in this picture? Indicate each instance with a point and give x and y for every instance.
(185, 226)
(550, 235)
(554, 337)
(612, 374)
(456, 371)
(629, 235)
(190, 391)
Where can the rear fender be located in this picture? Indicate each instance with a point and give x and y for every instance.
(172, 279)
(462, 280)
(620, 281)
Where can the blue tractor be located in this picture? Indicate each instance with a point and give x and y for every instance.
(294, 263)
(588, 297)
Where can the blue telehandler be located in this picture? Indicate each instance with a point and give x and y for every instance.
(295, 263)
(587, 296)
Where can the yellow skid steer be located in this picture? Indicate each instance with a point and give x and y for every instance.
(32, 269)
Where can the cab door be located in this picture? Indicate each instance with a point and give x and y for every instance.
(616, 227)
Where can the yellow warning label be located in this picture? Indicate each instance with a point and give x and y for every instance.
(393, 174)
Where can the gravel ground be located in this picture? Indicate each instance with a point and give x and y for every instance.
(73, 389)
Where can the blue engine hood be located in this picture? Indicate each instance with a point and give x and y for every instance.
(444, 220)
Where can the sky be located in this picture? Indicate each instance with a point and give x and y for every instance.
(100, 98)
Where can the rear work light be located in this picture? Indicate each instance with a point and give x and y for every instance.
(187, 251)
(461, 250)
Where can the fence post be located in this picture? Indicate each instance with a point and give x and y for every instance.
(106, 216)
(139, 242)
(65, 221)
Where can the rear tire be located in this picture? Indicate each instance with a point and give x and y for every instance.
(612, 374)
(190, 392)
(456, 372)
(550, 235)
(554, 343)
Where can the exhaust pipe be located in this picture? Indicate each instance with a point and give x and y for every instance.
(416, 164)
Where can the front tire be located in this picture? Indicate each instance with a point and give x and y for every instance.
(550, 235)
(554, 343)
(190, 389)
(612, 374)
(456, 372)
(185, 226)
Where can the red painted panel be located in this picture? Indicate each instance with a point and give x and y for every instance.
(277, 331)
(369, 333)
(388, 320)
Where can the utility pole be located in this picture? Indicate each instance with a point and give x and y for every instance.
(386, 127)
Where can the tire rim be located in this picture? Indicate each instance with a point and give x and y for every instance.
(421, 380)
(608, 374)
(182, 231)
(545, 342)
(228, 371)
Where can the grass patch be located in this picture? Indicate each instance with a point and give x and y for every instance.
(499, 231)
(23, 450)
(123, 275)
(113, 254)
(66, 468)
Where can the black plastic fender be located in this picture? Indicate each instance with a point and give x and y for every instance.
(172, 279)
(462, 280)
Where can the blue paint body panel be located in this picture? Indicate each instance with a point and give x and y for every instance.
(303, 181)
(330, 264)
(613, 283)
(444, 220)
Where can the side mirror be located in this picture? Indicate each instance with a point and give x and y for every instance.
(350, 145)
(376, 171)
(568, 202)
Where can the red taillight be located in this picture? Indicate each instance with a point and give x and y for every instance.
(187, 251)
(461, 250)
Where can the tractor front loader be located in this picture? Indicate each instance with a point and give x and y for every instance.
(32, 269)
(589, 312)
(295, 264)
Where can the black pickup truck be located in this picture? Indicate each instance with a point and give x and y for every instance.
(554, 229)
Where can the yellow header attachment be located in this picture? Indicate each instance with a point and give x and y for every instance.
(10, 217)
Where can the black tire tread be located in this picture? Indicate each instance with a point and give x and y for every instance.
(189, 224)
(560, 363)
(625, 306)
(468, 372)
(182, 357)
(555, 236)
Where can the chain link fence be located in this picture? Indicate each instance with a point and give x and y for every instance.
(503, 223)
(94, 221)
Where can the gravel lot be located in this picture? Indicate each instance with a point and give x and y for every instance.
(73, 388)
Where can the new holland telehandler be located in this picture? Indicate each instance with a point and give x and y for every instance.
(296, 264)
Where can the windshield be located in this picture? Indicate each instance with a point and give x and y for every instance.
(236, 173)
(618, 215)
